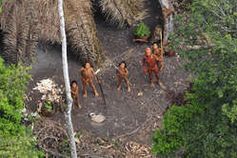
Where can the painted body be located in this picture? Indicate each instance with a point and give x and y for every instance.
(150, 66)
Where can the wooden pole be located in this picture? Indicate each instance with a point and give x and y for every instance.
(67, 113)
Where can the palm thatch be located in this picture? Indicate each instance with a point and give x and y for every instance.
(25, 24)
(48, 21)
(123, 12)
(81, 30)
(20, 30)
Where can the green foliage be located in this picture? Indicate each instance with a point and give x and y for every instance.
(19, 146)
(207, 125)
(171, 137)
(12, 87)
(142, 30)
(48, 105)
(14, 138)
(1, 6)
(230, 110)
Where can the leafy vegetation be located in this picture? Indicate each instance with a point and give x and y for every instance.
(0, 6)
(15, 139)
(206, 126)
(48, 105)
(142, 30)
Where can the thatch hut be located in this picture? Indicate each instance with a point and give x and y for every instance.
(19, 30)
(24, 24)
(123, 12)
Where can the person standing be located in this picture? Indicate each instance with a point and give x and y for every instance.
(87, 76)
(159, 53)
(75, 93)
(122, 75)
(150, 66)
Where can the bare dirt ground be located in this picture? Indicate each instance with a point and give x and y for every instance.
(130, 119)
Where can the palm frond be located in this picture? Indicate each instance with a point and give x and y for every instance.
(122, 12)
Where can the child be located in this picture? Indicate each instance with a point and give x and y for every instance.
(122, 74)
(75, 93)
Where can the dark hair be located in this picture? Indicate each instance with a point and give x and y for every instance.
(123, 62)
(84, 64)
(74, 81)
(158, 44)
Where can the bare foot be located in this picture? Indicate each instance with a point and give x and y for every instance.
(119, 88)
(96, 94)
(152, 84)
(162, 86)
(129, 89)
(79, 106)
(85, 95)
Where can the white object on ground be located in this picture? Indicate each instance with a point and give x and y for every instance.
(50, 90)
(97, 118)
(45, 85)
(140, 94)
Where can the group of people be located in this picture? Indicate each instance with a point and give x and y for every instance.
(152, 63)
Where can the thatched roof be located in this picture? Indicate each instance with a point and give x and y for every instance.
(25, 23)
(123, 12)
(20, 31)
(81, 29)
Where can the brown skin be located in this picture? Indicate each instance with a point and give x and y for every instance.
(150, 65)
(167, 12)
(157, 34)
(87, 76)
(122, 75)
(75, 94)
(159, 53)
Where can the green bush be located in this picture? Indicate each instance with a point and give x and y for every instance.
(21, 146)
(141, 30)
(206, 126)
(15, 139)
(48, 105)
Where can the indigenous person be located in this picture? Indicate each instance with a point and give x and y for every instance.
(150, 65)
(159, 53)
(75, 93)
(122, 75)
(87, 76)
(157, 34)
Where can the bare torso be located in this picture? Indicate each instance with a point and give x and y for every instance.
(122, 72)
(74, 91)
(87, 74)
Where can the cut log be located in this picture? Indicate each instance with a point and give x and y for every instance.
(140, 40)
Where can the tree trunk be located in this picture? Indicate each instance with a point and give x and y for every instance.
(167, 10)
(66, 80)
